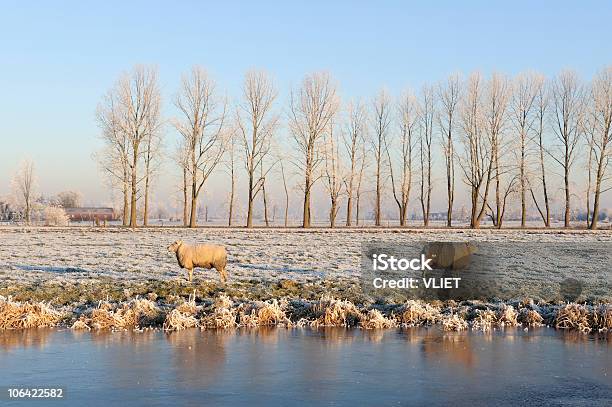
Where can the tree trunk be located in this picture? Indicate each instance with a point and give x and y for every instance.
(306, 211)
(230, 216)
(450, 182)
(567, 195)
(544, 187)
(332, 214)
(498, 204)
(377, 214)
(403, 215)
(522, 174)
(194, 203)
(251, 199)
(126, 204)
(133, 197)
(349, 210)
(185, 211)
(145, 219)
(449, 212)
(265, 203)
(306, 214)
(357, 206)
(474, 198)
(596, 202)
(286, 210)
(286, 196)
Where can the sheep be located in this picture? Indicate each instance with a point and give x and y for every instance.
(449, 255)
(205, 256)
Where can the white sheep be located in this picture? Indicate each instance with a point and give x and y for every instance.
(205, 256)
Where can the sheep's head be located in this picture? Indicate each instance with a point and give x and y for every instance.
(175, 246)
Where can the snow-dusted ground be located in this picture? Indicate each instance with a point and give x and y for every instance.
(78, 253)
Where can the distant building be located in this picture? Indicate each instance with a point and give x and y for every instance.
(91, 214)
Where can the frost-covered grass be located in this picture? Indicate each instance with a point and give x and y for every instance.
(80, 254)
(79, 264)
(222, 312)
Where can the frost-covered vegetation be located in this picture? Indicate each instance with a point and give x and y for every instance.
(222, 312)
(118, 279)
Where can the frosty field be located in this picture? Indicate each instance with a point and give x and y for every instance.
(80, 255)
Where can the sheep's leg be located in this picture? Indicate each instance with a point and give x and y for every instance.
(223, 275)
(190, 274)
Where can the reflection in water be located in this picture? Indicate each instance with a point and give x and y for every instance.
(24, 338)
(451, 347)
(305, 367)
(197, 358)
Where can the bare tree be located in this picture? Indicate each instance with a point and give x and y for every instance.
(114, 157)
(567, 104)
(152, 160)
(601, 137)
(256, 125)
(589, 131)
(181, 157)
(69, 199)
(497, 97)
(381, 121)
(230, 165)
(476, 163)
(401, 181)
(359, 190)
(449, 95)
(333, 178)
(353, 137)
(202, 129)
(426, 118)
(139, 99)
(312, 108)
(523, 106)
(541, 111)
(264, 196)
(282, 168)
(24, 183)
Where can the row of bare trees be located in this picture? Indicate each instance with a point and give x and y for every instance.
(502, 135)
(129, 117)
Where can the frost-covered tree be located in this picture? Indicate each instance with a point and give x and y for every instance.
(201, 126)
(600, 116)
(69, 199)
(24, 187)
(311, 109)
(256, 123)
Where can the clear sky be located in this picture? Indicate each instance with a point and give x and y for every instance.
(58, 58)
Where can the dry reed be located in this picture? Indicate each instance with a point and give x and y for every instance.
(332, 312)
(374, 319)
(602, 318)
(484, 320)
(507, 316)
(453, 323)
(16, 315)
(573, 316)
(183, 316)
(530, 317)
(136, 313)
(415, 313)
(223, 315)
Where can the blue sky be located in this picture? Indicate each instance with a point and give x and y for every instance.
(58, 58)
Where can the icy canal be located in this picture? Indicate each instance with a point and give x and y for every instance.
(309, 367)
